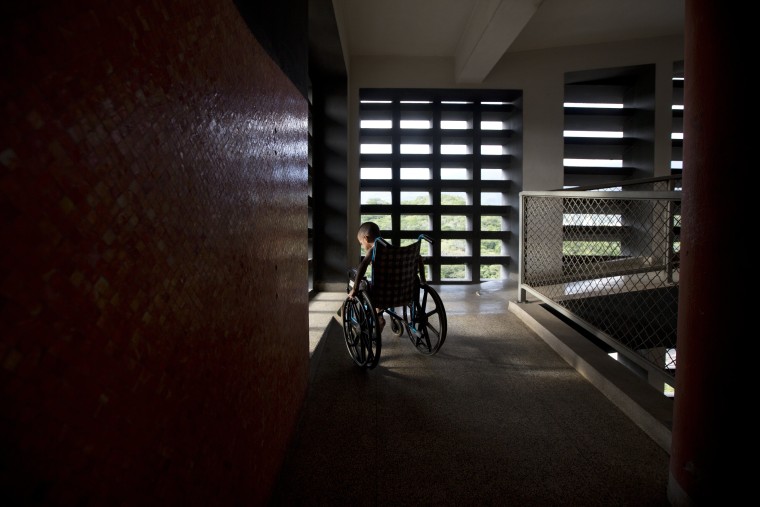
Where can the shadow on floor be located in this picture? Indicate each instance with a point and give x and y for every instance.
(495, 418)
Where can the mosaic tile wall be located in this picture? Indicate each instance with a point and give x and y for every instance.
(153, 271)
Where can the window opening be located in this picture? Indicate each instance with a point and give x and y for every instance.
(432, 162)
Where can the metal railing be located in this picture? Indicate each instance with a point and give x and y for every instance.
(608, 260)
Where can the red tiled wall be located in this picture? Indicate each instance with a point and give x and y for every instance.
(153, 270)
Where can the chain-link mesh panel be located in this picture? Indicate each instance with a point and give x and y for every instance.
(612, 262)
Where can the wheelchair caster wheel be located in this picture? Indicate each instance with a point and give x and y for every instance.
(397, 327)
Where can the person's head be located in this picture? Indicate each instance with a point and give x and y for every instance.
(368, 233)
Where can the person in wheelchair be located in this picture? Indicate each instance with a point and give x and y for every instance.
(397, 287)
(367, 234)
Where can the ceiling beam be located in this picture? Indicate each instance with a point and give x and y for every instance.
(491, 29)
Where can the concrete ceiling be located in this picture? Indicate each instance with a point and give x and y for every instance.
(477, 33)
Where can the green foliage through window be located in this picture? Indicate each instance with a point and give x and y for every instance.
(454, 223)
(601, 248)
(490, 247)
(491, 223)
(490, 272)
(415, 222)
(382, 221)
(453, 272)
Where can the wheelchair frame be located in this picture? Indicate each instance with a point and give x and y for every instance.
(422, 316)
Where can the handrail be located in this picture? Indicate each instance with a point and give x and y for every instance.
(609, 261)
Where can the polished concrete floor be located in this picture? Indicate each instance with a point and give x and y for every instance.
(497, 417)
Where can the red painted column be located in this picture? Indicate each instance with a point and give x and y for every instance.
(705, 423)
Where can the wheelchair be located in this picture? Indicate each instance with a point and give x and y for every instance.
(397, 285)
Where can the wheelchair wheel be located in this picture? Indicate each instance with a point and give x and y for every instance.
(360, 331)
(397, 326)
(426, 320)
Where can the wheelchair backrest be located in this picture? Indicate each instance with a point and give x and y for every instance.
(394, 273)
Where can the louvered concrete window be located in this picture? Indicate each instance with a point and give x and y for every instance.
(676, 163)
(609, 125)
(440, 162)
(609, 119)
